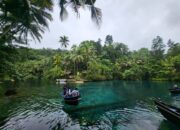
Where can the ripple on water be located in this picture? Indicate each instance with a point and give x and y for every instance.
(127, 119)
(41, 114)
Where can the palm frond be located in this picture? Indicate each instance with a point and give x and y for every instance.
(96, 15)
(75, 6)
(63, 14)
(63, 11)
(25, 17)
(41, 17)
(35, 31)
(82, 3)
(44, 4)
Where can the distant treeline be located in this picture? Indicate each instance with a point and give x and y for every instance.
(90, 60)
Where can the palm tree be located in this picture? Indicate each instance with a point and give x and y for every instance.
(76, 58)
(20, 18)
(64, 41)
(87, 51)
(57, 60)
(74, 48)
(96, 13)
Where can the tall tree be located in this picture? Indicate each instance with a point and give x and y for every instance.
(64, 41)
(170, 43)
(121, 49)
(174, 48)
(77, 58)
(98, 46)
(157, 48)
(108, 40)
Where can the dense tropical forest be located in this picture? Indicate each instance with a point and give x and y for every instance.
(92, 60)
(21, 20)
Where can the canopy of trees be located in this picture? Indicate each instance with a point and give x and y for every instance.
(90, 60)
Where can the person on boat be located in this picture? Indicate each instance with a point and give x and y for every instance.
(68, 91)
(175, 86)
(75, 92)
(65, 89)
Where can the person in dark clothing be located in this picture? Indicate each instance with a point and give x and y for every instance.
(65, 89)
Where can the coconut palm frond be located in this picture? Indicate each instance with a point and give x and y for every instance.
(41, 17)
(63, 12)
(82, 3)
(75, 6)
(90, 2)
(35, 32)
(25, 17)
(96, 15)
(45, 4)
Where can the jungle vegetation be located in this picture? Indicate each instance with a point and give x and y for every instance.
(93, 60)
(21, 20)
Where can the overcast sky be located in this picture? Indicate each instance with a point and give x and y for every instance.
(133, 22)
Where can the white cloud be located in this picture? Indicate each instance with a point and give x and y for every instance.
(133, 22)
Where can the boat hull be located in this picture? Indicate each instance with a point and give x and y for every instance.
(169, 112)
(72, 100)
(175, 91)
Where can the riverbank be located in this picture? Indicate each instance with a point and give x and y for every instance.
(81, 81)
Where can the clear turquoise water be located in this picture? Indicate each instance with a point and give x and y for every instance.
(108, 105)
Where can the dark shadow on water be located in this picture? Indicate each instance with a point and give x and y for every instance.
(175, 95)
(10, 92)
(2, 120)
(167, 125)
(79, 108)
(91, 113)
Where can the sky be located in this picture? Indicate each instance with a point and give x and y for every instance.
(133, 22)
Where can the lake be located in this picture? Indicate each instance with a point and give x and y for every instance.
(107, 105)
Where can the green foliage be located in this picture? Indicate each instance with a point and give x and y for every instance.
(7, 59)
(115, 61)
(98, 71)
(158, 48)
(109, 40)
(174, 48)
(54, 73)
(30, 70)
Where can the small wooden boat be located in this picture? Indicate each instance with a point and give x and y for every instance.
(71, 99)
(171, 113)
(175, 90)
